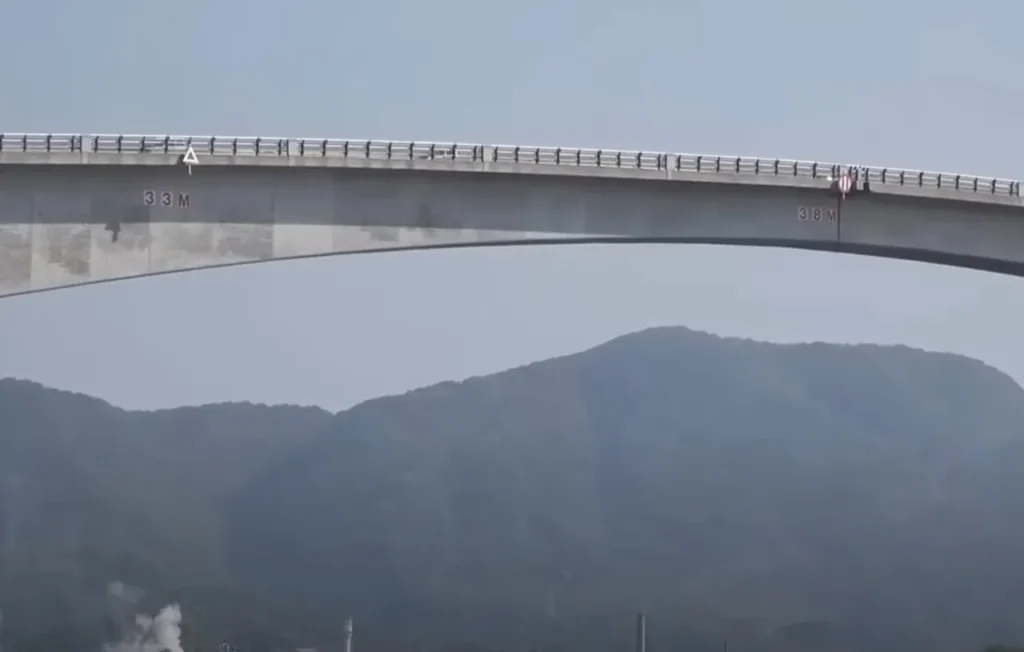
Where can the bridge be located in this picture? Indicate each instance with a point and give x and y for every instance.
(78, 209)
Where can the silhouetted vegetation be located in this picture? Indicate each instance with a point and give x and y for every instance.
(810, 497)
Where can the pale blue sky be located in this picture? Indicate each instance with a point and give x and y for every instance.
(904, 83)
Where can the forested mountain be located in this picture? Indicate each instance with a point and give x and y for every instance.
(791, 497)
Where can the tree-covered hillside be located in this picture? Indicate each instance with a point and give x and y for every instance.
(779, 497)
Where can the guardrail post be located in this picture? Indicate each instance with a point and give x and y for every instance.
(993, 186)
(366, 149)
(389, 149)
(558, 156)
(599, 158)
(718, 164)
(579, 157)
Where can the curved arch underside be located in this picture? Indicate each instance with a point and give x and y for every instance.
(68, 226)
(898, 253)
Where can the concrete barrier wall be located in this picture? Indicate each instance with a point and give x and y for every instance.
(67, 225)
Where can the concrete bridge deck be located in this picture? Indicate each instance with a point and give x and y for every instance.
(87, 208)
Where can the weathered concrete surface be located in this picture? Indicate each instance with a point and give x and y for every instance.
(64, 225)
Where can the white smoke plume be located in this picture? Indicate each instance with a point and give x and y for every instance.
(160, 633)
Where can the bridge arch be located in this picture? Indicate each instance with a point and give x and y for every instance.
(88, 209)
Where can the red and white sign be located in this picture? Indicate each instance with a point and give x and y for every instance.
(845, 183)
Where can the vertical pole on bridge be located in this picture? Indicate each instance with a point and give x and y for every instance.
(640, 645)
(839, 218)
(844, 184)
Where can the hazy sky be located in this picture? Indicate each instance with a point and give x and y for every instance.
(905, 83)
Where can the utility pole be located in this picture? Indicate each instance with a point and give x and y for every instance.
(641, 633)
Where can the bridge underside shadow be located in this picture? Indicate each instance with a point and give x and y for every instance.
(38, 276)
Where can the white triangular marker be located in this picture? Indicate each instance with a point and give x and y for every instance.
(190, 157)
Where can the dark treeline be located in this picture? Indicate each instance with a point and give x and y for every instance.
(767, 497)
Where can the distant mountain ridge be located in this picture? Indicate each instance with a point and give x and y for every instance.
(808, 496)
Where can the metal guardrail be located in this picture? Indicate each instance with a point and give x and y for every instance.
(515, 154)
